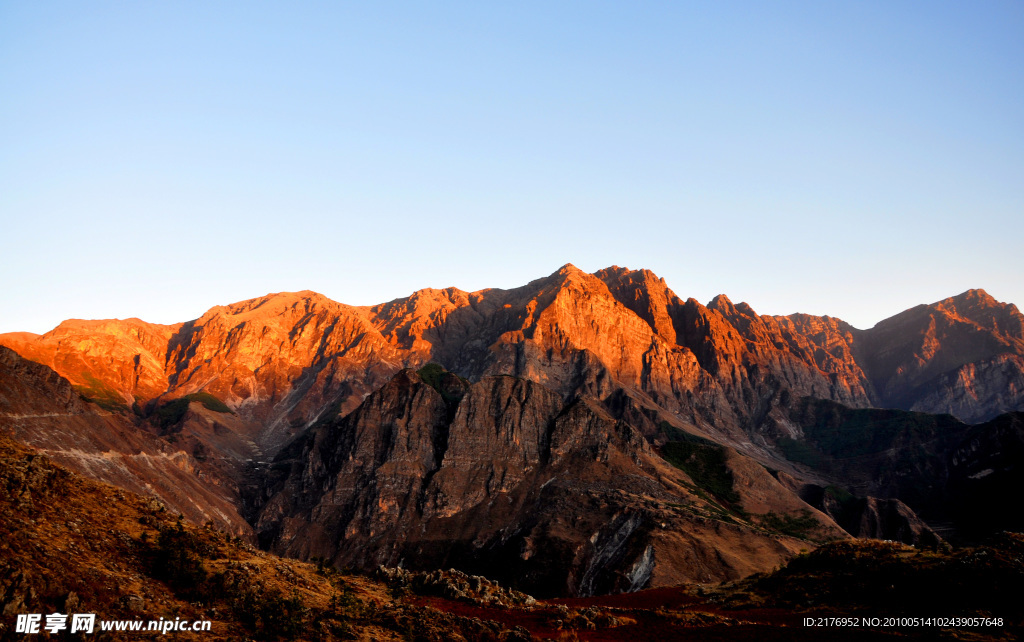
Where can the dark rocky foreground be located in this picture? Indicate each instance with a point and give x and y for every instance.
(128, 557)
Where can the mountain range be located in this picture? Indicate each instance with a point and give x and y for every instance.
(582, 434)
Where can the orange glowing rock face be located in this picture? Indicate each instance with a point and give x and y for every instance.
(111, 355)
(281, 359)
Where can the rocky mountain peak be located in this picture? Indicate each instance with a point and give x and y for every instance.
(975, 296)
(721, 303)
(570, 276)
(646, 295)
(642, 275)
(267, 307)
(979, 308)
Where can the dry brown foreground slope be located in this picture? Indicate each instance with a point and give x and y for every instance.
(71, 545)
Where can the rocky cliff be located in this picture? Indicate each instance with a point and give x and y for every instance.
(504, 478)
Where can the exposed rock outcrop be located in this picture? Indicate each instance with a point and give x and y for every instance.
(873, 518)
(518, 485)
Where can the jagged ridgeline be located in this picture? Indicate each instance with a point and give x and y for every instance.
(581, 434)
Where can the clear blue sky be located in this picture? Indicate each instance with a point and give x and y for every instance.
(842, 158)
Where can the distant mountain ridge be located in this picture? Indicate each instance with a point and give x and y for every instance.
(283, 358)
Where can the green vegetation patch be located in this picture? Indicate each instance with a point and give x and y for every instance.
(99, 393)
(672, 433)
(705, 463)
(800, 451)
(449, 385)
(841, 495)
(431, 375)
(839, 431)
(210, 402)
(173, 412)
(799, 526)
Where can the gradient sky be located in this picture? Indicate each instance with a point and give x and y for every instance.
(851, 159)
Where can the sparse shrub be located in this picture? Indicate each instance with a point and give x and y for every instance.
(793, 525)
(178, 562)
(705, 463)
(345, 604)
(172, 412)
(269, 614)
(99, 393)
(282, 617)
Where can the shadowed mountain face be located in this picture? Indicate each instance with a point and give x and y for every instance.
(540, 442)
(502, 477)
(551, 497)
